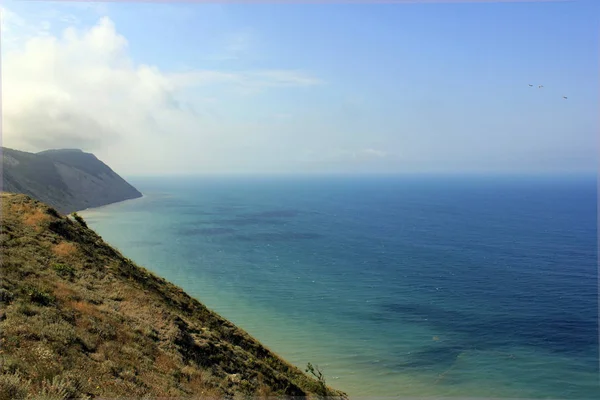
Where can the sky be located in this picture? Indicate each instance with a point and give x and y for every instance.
(164, 88)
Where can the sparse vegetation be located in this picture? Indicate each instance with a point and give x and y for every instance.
(38, 295)
(64, 270)
(79, 219)
(80, 320)
(322, 390)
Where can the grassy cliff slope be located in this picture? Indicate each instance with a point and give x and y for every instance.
(78, 319)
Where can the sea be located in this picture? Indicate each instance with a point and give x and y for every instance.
(408, 286)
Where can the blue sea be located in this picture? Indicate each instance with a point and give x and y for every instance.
(405, 286)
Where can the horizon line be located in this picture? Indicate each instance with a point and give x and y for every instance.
(354, 173)
(300, 2)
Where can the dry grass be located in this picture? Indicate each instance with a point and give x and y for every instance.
(80, 320)
(164, 363)
(85, 308)
(36, 219)
(65, 249)
(64, 292)
(19, 207)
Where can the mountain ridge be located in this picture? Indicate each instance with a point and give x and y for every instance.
(67, 179)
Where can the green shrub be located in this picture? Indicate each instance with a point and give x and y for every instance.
(61, 388)
(39, 296)
(64, 270)
(26, 309)
(62, 228)
(59, 334)
(6, 296)
(9, 365)
(52, 211)
(13, 386)
(79, 219)
(321, 389)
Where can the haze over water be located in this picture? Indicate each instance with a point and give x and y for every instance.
(407, 286)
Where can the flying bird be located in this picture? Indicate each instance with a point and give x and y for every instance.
(541, 86)
(530, 85)
(564, 97)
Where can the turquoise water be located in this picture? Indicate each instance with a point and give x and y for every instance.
(395, 286)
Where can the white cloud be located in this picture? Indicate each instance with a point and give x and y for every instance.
(83, 90)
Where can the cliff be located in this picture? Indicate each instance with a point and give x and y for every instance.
(78, 319)
(68, 180)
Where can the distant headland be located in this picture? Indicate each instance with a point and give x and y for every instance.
(67, 179)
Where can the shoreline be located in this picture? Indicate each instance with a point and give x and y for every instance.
(110, 204)
(199, 298)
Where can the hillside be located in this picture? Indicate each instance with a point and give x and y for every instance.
(68, 180)
(78, 319)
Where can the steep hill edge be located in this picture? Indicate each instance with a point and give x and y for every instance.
(78, 319)
(66, 179)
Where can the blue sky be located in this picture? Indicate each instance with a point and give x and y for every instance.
(203, 88)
